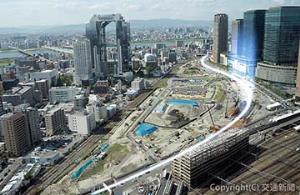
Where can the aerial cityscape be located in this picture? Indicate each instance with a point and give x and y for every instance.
(152, 98)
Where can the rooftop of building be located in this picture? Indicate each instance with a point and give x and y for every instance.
(44, 154)
(11, 115)
(17, 90)
(53, 110)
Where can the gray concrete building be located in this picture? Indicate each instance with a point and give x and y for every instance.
(16, 133)
(220, 37)
(82, 61)
(55, 121)
(19, 95)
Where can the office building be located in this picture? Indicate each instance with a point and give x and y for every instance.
(280, 55)
(179, 43)
(95, 32)
(237, 37)
(50, 75)
(138, 84)
(43, 86)
(1, 108)
(99, 110)
(16, 133)
(297, 95)
(220, 36)
(82, 122)
(63, 94)
(159, 46)
(19, 95)
(252, 30)
(80, 102)
(101, 87)
(172, 56)
(55, 121)
(82, 61)
(32, 120)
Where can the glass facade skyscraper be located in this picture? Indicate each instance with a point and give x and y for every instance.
(237, 37)
(95, 32)
(282, 35)
(253, 34)
(250, 46)
(281, 43)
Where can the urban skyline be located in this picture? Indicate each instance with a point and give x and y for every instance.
(177, 109)
(79, 11)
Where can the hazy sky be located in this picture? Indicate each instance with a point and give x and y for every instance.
(57, 12)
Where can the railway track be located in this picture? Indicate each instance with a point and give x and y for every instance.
(283, 165)
(65, 166)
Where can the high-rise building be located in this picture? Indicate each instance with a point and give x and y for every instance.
(95, 32)
(172, 56)
(281, 42)
(16, 133)
(82, 61)
(251, 44)
(220, 36)
(42, 85)
(32, 120)
(55, 121)
(297, 100)
(1, 108)
(253, 34)
(237, 37)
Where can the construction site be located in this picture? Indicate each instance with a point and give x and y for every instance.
(185, 112)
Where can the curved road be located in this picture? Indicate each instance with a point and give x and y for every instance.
(246, 91)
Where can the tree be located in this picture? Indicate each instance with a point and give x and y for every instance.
(65, 79)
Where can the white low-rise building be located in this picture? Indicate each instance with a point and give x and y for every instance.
(50, 75)
(138, 84)
(99, 110)
(45, 157)
(82, 122)
(63, 94)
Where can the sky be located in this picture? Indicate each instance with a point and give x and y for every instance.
(16, 13)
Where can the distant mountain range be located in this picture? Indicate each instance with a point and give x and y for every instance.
(134, 24)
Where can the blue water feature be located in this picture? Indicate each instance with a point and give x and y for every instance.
(145, 129)
(193, 103)
(87, 163)
(81, 169)
(103, 147)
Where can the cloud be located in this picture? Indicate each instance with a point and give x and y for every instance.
(50, 12)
